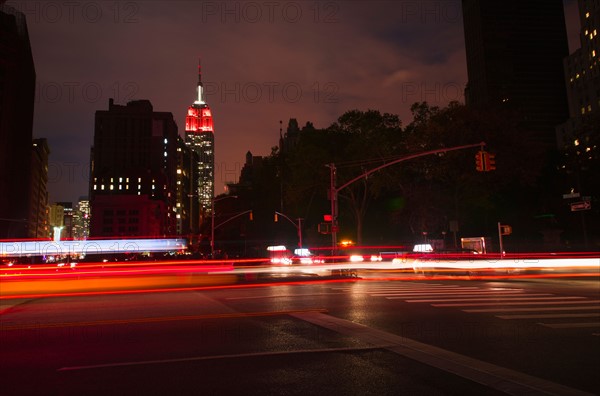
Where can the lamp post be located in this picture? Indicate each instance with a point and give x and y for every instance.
(212, 222)
(298, 226)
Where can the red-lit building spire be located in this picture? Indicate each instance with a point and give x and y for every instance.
(199, 116)
(200, 138)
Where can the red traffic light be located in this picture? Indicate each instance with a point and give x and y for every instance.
(479, 162)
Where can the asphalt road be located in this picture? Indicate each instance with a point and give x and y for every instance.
(360, 337)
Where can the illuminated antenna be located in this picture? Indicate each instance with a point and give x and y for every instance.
(200, 86)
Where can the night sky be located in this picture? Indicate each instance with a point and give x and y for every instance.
(262, 62)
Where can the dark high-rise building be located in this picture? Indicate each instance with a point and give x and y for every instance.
(582, 74)
(187, 210)
(200, 138)
(133, 171)
(17, 94)
(515, 51)
(38, 193)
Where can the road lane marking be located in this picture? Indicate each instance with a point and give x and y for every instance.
(468, 293)
(448, 292)
(550, 316)
(369, 287)
(512, 298)
(469, 297)
(571, 325)
(403, 284)
(490, 375)
(282, 296)
(159, 319)
(517, 303)
(532, 309)
(216, 357)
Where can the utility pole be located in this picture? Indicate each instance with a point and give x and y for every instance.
(333, 197)
(334, 190)
(298, 226)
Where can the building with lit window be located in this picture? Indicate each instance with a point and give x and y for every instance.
(582, 67)
(56, 214)
(582, 75)
(579, 136)
(199, 137)
(187, 205)
(133, 171)
(68, 212)
(515, 51)
(81, 219)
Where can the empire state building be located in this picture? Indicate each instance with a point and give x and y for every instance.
(200, 138)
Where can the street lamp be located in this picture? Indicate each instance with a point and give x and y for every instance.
(298, 226)
(212, 222)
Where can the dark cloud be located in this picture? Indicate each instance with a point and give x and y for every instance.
(262, 62)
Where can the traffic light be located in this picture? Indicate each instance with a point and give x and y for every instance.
(491, 162)
(479, 164)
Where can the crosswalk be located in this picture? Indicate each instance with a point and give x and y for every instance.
(507, 303)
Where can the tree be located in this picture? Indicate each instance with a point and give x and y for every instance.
(367, 138)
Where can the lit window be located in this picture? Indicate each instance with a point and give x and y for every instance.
(139, 186)
(583, 110)
(102, 187)
(587, 14)
(139, 179)
(95, 187)
(120, 180)
(112, 187)
(576, 142)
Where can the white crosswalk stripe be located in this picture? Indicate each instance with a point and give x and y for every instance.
(503, 303)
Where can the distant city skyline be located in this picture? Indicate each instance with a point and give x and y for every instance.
(267, 62)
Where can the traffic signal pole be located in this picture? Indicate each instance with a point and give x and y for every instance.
(335, 190)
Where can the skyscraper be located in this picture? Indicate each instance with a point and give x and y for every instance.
(133, 171)
(200, 138)
(582, 67)
(515, 51)
(17, 93)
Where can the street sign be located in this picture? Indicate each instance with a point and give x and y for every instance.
(571, 195)
(583, 205)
